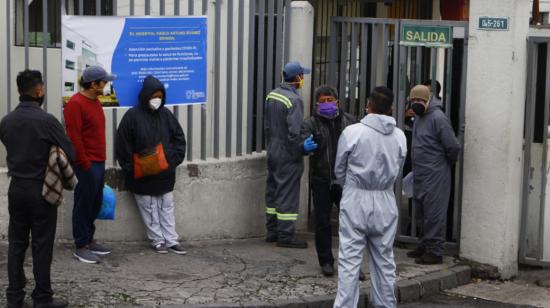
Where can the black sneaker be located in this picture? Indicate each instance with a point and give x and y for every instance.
(272, 238)
(54, 303)
(417, 253)
(362, 276)
(177, 249)
(429, 258)
(160, 248)
(327, 269)
(294, 243)
(85, 255)
(99, 249)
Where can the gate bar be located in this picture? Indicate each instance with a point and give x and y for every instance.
(544, 157)
(229, 80)
(260, 77)
(363, 69)
(250, 82)
(45, 42)
(352, 102)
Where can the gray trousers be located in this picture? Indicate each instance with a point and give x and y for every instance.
(367, 219)
(282, 193)
(158, 216)
(431, 216)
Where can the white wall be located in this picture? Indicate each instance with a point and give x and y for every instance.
(495, 102)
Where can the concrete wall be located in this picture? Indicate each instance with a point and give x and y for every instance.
(214, 199)
(495, 102)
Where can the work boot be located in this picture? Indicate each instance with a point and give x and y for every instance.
(271, 238)
(54, 303)
(362, 276)
(293, 243)
(417, 253)
(327, 269)
(429, 258)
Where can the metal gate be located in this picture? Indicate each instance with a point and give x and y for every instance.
(366, 52)
(535, 218)
(246, 52)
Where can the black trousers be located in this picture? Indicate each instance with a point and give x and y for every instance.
(324, 196)
(88, 196)
(29, 213)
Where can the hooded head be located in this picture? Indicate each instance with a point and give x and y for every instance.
(150, 86)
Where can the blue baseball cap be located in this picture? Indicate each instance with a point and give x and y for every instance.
(93, 73)
(293, 69)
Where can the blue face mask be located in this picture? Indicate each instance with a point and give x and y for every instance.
(328, 110)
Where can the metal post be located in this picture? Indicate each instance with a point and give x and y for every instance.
(352, 102)
(147, 7)
(203, 106)
(80, 7)
(25, 30)
(279, 42)
(544, 166)
(532, 62)
(229, 80)
(115, 110)
(240, 88)
(270, 53)
(190, 11)
(448, 82)
(8, 54)
(374, 55)
(260, 86)
(332, 53)
(385, 40)
(217, 80)
(132, 6)
(363, 73)
(45, 42)
(343, 60)
(288, 9)
(250, 82)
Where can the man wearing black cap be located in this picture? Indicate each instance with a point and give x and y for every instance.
(85, 125)
(284, 114)
(28, 133)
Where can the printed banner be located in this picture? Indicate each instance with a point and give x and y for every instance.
(172, 49)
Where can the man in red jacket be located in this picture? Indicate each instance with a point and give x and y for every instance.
(85, 125)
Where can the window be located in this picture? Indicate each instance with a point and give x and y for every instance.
(53, 37)
(70, 45)
(69, 65)
(69, 86)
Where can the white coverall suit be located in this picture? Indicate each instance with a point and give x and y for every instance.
(369, 159)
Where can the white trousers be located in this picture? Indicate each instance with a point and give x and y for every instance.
(158, 216)
(368, 219)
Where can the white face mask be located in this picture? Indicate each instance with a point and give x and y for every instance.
(155, 103)
(107, 89)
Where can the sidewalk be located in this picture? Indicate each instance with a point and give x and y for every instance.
(231, 273)
(523, 290)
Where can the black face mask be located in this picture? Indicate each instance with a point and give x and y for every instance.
(27, 98)
(418, 109)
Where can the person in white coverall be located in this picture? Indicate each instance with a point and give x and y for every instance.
(369, 159)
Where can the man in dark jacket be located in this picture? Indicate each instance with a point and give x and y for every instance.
(146, 131)
(434, 150)
(283, 118)
(28, 133)
(326, 126)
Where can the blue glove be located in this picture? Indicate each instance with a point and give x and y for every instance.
(309, 144)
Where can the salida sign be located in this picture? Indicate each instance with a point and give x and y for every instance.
(428, 36)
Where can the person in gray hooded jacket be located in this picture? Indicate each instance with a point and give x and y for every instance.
(369, 159)
(434, 150)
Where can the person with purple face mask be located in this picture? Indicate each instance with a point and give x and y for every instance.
(326, 125)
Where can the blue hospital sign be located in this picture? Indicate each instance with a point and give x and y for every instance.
(171, 49)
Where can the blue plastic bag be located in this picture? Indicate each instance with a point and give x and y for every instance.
(108, 205)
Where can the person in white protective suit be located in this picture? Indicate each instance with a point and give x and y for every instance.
(369, 159)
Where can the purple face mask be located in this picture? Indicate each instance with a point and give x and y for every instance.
(328, 109)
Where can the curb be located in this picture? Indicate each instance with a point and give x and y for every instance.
(406, 290)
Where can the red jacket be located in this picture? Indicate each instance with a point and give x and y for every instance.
(85, 125)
